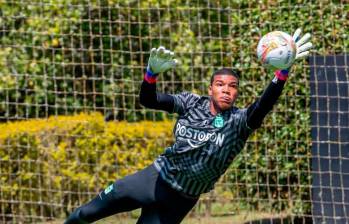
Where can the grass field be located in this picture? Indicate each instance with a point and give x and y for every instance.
(234, 219)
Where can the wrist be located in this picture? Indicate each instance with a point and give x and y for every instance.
(281, 74)
(149, 76)
(149, 72)
(149, 79)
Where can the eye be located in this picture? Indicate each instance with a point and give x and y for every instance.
(233, 86)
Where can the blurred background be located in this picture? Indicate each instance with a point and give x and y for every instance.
(66, 65)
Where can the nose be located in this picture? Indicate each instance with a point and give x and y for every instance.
(226, 89)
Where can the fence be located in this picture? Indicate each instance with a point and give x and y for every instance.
(66, 57)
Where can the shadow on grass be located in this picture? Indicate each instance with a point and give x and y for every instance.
(285, 220)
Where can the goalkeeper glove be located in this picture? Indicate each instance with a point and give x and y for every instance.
(160, 60)
(303, 45)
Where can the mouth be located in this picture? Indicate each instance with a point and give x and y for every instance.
(226, 100)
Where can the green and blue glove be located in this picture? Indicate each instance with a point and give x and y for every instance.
(160, 60)
(303, 45)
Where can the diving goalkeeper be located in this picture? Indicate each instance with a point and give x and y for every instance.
(209, 133)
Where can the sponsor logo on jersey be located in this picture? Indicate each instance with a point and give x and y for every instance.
(197, 138)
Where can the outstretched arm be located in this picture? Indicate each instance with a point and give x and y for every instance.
(151, 99)
(160, 60)
(259, 109)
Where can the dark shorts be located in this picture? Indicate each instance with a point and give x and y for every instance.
(144, 189)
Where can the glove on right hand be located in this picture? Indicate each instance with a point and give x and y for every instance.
(160, 60)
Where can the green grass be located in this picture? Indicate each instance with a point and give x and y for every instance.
(221, 213)
(236, 219)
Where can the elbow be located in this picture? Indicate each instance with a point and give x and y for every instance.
(254, 124)
(147, 101)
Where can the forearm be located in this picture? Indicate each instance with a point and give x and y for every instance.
(160, 60)
(151, 99)
(259, 109)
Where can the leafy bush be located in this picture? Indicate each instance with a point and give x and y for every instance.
(66, 56)
(48, 166)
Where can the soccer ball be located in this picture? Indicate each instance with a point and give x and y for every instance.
(277, 50)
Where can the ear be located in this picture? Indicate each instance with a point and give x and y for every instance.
(210, 90)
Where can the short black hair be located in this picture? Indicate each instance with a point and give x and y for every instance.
(226, 71)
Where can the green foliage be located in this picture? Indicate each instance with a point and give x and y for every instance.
(61, 57)
(49, 166)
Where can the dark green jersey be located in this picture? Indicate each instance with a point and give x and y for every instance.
(205, 145)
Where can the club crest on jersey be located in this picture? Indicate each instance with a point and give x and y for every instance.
(218, 121)
(197, 138)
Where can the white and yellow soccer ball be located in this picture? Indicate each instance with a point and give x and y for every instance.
(277, 50)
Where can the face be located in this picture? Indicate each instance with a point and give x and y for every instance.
(223, 92)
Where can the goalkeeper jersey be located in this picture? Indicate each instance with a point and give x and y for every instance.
(204, 146)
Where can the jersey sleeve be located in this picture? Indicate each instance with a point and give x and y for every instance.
(257, 111)
(183, 101)
(150, 98)
(243, 127)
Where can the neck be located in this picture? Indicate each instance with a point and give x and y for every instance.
(213, 108)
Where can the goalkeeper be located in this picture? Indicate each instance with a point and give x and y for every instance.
(209, 133)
